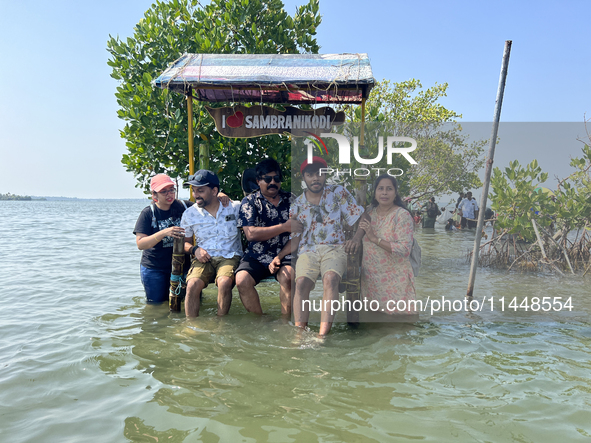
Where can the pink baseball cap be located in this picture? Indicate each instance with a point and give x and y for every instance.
(160, 181)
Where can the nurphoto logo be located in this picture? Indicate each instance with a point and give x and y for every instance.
(393, 146)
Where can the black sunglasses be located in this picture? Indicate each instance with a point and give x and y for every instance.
(268, 178)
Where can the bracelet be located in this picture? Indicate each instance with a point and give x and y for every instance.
(193, 249)
(378, 243)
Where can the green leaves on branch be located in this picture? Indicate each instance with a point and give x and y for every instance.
(446, 161)
(518, 197)
(156, 128)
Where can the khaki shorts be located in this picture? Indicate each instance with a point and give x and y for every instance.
(214, 268)
(326, 258)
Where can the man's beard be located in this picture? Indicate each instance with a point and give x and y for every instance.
(320, 189)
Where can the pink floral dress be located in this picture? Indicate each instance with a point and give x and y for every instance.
(387, 276)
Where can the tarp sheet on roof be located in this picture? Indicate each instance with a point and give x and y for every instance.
(271, 78)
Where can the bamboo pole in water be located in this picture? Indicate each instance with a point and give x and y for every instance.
(178, 286)
(489, 162)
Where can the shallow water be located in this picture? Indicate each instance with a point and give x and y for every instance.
(82, 358)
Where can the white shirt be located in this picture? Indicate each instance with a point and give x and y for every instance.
(218, 235)
(468, 207)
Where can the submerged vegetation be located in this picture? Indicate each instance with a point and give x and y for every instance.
(538, 228)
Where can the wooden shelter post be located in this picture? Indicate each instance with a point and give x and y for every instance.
(191, 136)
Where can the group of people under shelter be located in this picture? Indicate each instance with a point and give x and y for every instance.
(294, 239)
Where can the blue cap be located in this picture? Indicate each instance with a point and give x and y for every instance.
(203, 177)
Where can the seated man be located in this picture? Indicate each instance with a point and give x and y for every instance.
(322, 210)
(264, 217)
(217, 249)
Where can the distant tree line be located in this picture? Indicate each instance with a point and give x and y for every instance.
(9, 196)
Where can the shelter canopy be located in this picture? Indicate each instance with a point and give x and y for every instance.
(271, 78)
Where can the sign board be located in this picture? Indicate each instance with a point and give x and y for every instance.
(241, 121)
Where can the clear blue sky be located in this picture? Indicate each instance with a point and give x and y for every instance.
(59, 132)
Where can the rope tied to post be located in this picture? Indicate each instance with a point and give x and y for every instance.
(181, 280)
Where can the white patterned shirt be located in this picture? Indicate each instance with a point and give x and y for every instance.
(323, 224)
(218, 235)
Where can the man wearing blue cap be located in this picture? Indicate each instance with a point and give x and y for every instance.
(217, 248)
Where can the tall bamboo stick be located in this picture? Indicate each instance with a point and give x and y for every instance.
(489, 163)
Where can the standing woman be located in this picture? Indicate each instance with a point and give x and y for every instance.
(155, 231)
(386, 274)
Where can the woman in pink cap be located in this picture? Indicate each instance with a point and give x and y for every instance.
(155, 230)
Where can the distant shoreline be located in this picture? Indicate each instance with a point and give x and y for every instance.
(35, 198)
(14, 197)
(92, 199)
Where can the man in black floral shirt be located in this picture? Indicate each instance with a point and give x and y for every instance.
(264, 217)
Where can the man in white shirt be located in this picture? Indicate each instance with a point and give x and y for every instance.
(218, 247)
(468, 206)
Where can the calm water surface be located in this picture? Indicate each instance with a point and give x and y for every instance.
(82, 358)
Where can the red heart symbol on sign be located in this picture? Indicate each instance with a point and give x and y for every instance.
(236, 120)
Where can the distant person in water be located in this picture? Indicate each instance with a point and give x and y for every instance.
(489, 216)
(469, 211)
(460, 198)
(432, 211)
(155, 230)
(452, 225)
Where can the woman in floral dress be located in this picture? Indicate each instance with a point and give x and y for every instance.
(386, 274)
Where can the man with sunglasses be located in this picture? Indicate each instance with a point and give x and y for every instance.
(264, 218)
(323, 211)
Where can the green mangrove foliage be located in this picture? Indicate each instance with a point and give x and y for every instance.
(446, 161)
(561, 216)
(155, 129)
